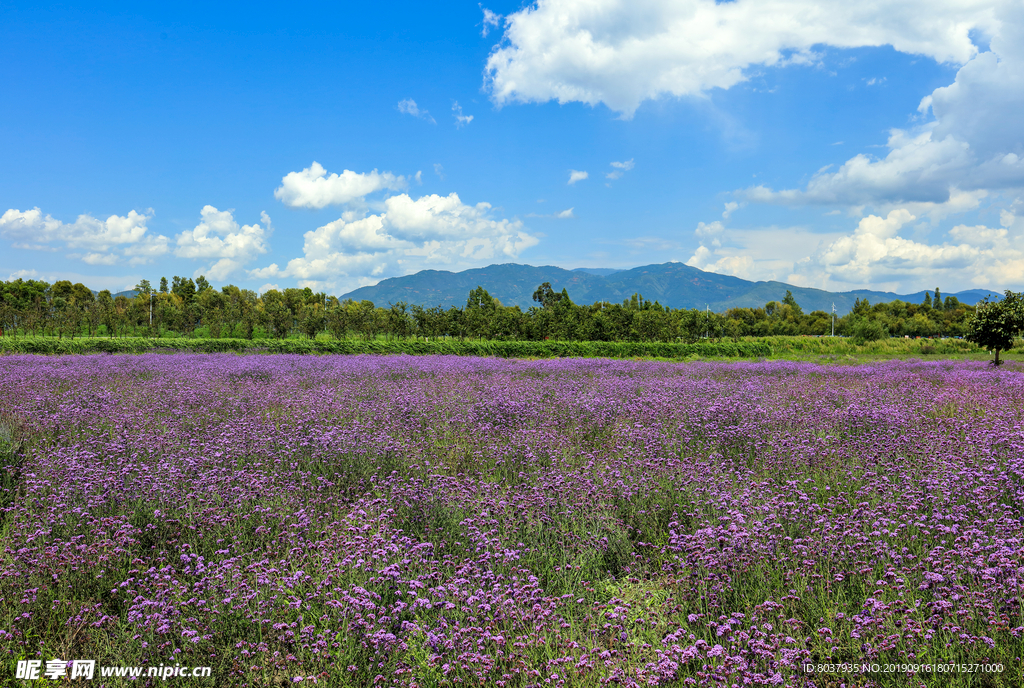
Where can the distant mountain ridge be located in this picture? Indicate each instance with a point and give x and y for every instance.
(674, 285)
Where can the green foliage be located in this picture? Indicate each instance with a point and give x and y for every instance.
(197, 309)
(791, 302)
(453, 347)
(865, 330)
(996, 324)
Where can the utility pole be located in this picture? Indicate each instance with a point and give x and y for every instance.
(707, 325)
(151, 311)
(833, 318)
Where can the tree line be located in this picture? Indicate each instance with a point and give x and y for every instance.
(194, 308)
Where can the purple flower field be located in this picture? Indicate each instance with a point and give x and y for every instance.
(436, 521)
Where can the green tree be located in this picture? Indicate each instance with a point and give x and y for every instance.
(867, 330)
(480, 310)
(163, 285)
(211, 305)
(278, 315)
(313, 319)
(106, 304)
(120, 313)
(790, 301)
(339, 317)
(996, 324)
(546, 296)
(184, 288)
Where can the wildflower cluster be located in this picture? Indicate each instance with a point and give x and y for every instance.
(431, 521)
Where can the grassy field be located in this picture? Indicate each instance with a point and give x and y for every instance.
(834, 349)
(452, 521)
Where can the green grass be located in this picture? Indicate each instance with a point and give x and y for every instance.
(830, 350)
(500, 349)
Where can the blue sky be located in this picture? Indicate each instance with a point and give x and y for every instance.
(828, 144)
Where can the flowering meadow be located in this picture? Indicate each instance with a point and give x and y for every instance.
(447, 521)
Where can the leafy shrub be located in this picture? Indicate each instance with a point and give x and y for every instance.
(864, 330)
(452, 347)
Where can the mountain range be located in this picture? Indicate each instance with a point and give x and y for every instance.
(674, 285)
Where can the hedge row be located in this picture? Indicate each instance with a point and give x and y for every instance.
(545, 349)
(781, 345)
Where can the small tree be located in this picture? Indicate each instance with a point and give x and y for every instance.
(791, 301)
(996, 324)
(546, 296)
(866, 330)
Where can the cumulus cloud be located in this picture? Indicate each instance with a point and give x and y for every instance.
(969, 150)
(711, 257)
(620, 168)
(25, 275)
(218, 236)
(876, 255)
(736, 265)
(409, 107)
(104, 242)
(408, 235)
(621, 53)
(974, 145)
(115, 283)
(577, 176)
(917, 169)
(314, 188)
(491, 21)
(876, 252)
(461, 120)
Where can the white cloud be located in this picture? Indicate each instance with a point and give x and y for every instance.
(313, 188)
(736, 265)
(561, 215)
(26, 275)
(409, 107)
(710, 255)
(100, 258)
(267, 287)
(709, 232)
(620, 169)
(577, 176)
(975, 144)
(105, 242)
(461, 120)
(621, 53)
(219, 236)
(972, 152)
(876, 253)
(917, 169)
(704, 258)
(874, 256)
(407, 236)
(151, 246)
(491, 21)
(439, 170)
(730, 208)
(114, 283)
